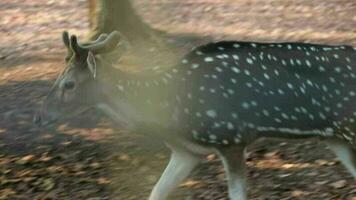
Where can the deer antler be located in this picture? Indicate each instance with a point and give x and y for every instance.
(101, 38)
(66, 40)
(65, 37)
(104, 43)
(74, 46)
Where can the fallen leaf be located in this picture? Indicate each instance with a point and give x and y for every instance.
(211, 157)
(48, 184)
(26, 159)
(191, 184)
(103, 181)
(124, 157)
(95, 165)
(338, 184)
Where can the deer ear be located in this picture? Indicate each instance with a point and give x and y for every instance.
(91, 63)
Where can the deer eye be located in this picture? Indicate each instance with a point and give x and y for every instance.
(69, 85)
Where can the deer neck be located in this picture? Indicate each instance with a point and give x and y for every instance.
(144, 98)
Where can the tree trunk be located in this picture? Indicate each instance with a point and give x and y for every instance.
(147, 47)
(109, 15)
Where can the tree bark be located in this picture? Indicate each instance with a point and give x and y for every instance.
(147, 47)
(109, 15)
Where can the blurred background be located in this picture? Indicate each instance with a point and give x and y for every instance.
(88, 158)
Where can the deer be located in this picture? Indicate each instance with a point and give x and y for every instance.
(219, 98)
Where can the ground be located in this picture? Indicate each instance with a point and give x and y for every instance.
(86, 158)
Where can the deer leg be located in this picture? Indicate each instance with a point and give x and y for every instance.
(235, 167)
(345, 153)
(179, 167)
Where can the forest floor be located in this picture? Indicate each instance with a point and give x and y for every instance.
(88, 159)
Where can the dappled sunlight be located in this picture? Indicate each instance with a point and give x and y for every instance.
(88, 158)
(94, 134)
(276, 20)
(282, 165)
(57, 171)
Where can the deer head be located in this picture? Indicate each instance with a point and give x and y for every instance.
(75, 90)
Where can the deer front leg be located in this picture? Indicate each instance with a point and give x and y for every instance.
(179, 167)
(235, 167)
(345, 153)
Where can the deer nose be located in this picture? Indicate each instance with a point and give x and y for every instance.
(37, 119)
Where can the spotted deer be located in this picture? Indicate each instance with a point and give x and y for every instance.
(219, 99)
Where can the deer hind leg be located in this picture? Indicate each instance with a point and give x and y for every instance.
(179, 167)
(345, 152)
(235, 167)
